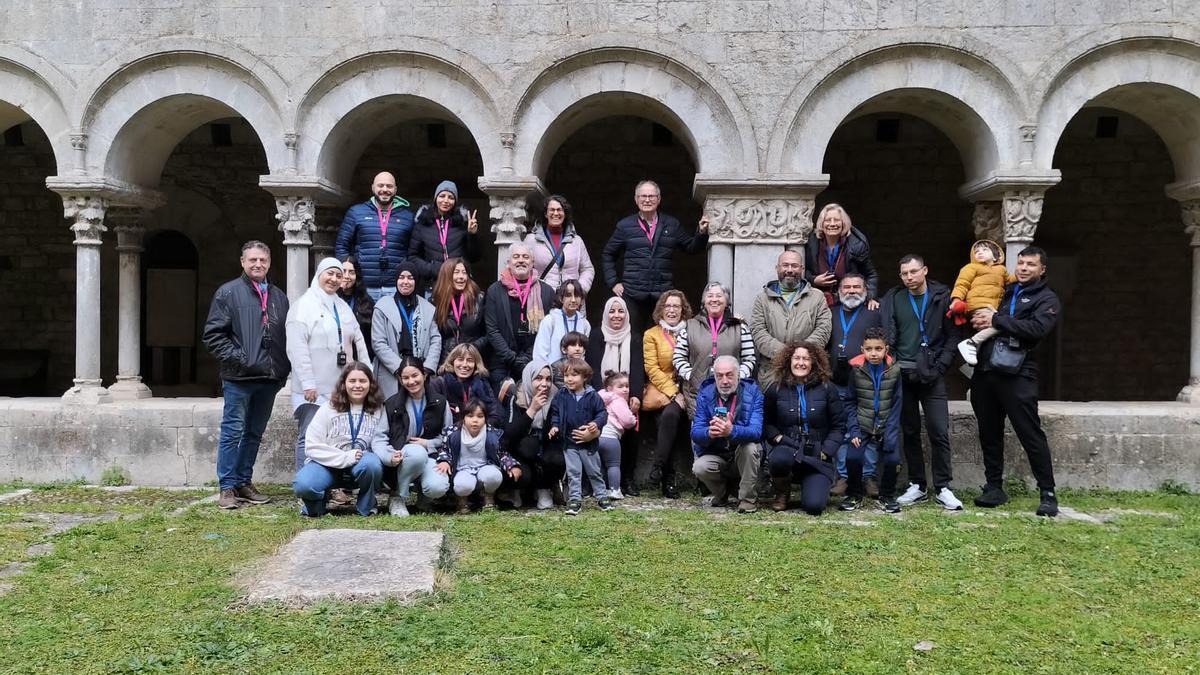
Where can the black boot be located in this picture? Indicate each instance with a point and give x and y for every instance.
(669, 490)
(629, 488)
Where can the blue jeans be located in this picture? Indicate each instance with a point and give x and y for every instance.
(855, 466)
(243, 420)
(313, 480)
(377, 293)
(417, 465)
(870, 458)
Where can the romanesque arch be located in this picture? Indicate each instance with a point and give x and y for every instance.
(568, 91)
(1151, 78)
(140, 111)
(370, 91)
(965, 96)
(32, 89)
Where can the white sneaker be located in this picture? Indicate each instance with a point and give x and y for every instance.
(615, 493)
(946, 499)
(397, 507)
(969, 351)
(517, 502)
(912, 495)
(545, 500)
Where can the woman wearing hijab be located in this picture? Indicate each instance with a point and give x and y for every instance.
(443, 230)
(525, 433)
(322, 337)
(614, 349)
(403, 326)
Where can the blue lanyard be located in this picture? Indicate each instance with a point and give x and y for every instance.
(800, 393)
(355, 429)
(847, 325)
(407, 319)
(831, 255)
(338, 320)
(876, 374)
(575, 321)
(920, 314)
(1012, 304)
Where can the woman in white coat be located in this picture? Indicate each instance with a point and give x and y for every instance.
(322, 334)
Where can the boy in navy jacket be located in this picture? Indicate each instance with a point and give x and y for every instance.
(577, 414)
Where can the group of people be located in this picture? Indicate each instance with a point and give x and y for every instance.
(405, 373)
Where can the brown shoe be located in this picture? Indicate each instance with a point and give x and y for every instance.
(340, 499)
(489, 501)
(839, 488)
(872, 486)
(464, 506)
(747, 506)
(229, 499)
(783, 490)
(251, 494)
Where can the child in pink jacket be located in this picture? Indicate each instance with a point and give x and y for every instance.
(616, 400)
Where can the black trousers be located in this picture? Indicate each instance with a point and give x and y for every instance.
(997, 395)
(814, 485)
(541, 467)
(929, 398)
(669, 419)
(640, 312)
(629, 456)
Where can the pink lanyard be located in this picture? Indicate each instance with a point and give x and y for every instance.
(384, 217)
(667, 336)
(714, 327)
(523, 296)
(262, 298)
(648, 228)
(443, 227)
(456, 308)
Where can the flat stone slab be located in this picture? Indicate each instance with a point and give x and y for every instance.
(347, 565)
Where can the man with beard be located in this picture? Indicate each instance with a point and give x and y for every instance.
(514, 307)
(377, 232)
(726, 436)
(786, 311)
(852, 317)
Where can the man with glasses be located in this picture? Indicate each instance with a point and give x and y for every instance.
(244, 331)
(647, 240)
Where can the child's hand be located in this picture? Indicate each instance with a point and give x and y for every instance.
(442, 468)
(856, 442)
(515, 473)
(552, 433)
(957, 308)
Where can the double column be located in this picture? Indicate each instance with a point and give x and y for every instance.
(86, 214)
(1188, 196)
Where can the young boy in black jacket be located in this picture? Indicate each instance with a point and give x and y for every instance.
(875, 400)
(577, 415)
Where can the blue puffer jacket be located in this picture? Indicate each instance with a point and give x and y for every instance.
(359, 235)
(747, 418)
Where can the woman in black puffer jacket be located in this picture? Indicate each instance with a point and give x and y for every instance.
(803, 426)
(443, 230)
(835, 249)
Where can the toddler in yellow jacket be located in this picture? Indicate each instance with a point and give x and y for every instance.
(980, 284)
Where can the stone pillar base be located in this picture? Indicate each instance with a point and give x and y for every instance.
(1190, 393)
(87, 392)
(130, 389)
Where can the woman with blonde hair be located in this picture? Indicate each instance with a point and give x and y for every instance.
(835, 249)
(662, 388)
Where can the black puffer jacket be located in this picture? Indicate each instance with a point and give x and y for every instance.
(646, 271)
(826, 423)
(857, 256)
(471, 331)
(942, 333)
(501, 332)
(248, 349)
(425, 246)
(1036, 314)
(432, 422)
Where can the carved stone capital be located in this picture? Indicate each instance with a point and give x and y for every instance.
(758, 220)
(79, 141)
(1191, 219)
(508, 218)
(986, 222)
(128, 224)
(290, 140)
(296, 216)
(86, 213)
(1028, 132)
(507, 140)
(1022, 211)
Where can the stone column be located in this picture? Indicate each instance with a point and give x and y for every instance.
(1191, 221)
(129, 384)
(1022, 211)
(86, 213)
(296, 215)
(506, 197)
(325, 228)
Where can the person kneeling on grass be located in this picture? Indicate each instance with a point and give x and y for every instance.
(472, 451)
(873, 405)
(345, 444)
(577, 414)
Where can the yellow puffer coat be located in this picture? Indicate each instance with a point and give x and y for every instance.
(981, 285)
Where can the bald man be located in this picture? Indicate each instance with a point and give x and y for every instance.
(376, 233)
(786, 311)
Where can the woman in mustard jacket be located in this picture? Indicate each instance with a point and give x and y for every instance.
(662, 388)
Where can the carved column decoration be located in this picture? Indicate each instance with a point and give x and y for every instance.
(1022, 211)
(759, 220)
(296, 216)
(986, 222)
(506, 197)
(86, 213)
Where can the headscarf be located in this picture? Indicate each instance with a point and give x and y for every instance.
(616, 342)
(316, 303)
(533, 304)
(525, 392)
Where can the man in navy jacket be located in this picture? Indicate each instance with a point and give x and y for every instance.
(377, 232)
(727, 434)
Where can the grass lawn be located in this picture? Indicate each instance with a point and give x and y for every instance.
(640, 589)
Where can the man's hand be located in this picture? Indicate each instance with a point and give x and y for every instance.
(719, 427)
(982, 318)
(310, 395)
(824, 280)
(872, 304)
(515, 473)
(702, 227)
(552, 433)
(856, 442)
(619, 289)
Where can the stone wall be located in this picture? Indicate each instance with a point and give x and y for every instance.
(173, 442)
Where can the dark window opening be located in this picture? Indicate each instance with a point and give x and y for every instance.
(435, 134)
(661, 137)
(1106, 126)
(887, 130)
(222, 135)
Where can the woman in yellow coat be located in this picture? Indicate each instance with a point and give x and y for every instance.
(662, 386)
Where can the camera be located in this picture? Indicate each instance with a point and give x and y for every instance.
(341, 358)
(720, 411)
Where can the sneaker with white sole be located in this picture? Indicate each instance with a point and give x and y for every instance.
(545, 500)
(573, 507)
(397, 507)
(946, 499)
(615, 493)
(912, 495)
(969, 351)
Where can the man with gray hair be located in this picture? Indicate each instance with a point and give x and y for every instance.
(726, 435)
(786, 311)
(513, 309)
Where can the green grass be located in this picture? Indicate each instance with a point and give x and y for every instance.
(639, 591)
